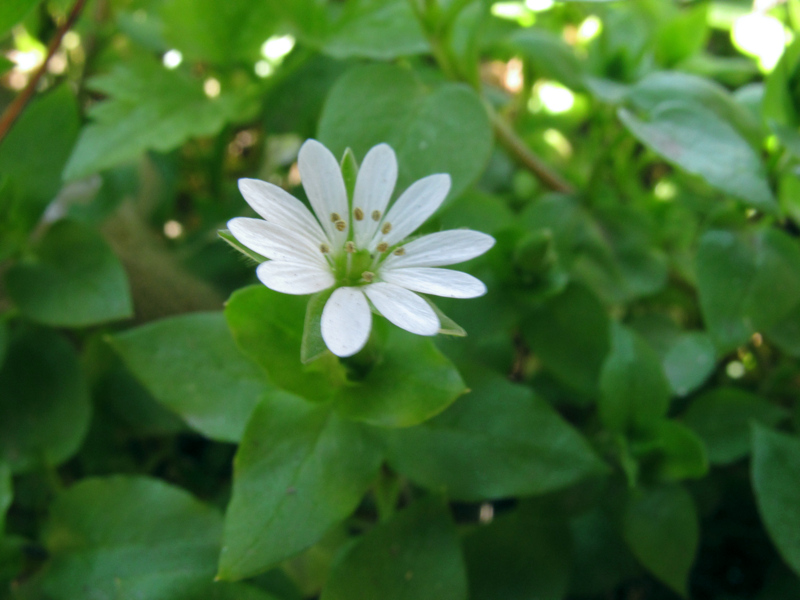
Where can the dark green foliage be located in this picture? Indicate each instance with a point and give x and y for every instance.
(618, 417)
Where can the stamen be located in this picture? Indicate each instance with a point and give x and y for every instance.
(335, 217)
(349, 247)
(358, 214)
(382, 247)
(376, 215)
(340, 225)
(399, 252)
(324, 248)
(368, 276)
(387, 227)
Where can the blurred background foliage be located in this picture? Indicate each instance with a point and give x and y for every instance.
(631, 429)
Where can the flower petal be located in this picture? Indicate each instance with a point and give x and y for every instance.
(403, 308)
(277, 243)
(442, 248)
(292, 278)
(278, 206)
(324, 185)
(346, 321)
(413, 208)
(439, 282)
(374, 187)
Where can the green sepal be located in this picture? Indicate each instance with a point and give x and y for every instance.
(312, 345)
(226, 235)
(349, 171)
(446, 325)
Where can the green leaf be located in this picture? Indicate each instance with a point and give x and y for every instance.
(763, 268)
(300, 470)
(191, 365)
(44, 407)
(37, 147)
(14, 11)
(72, 279)
(440, 130)
(682, 36)
(267, 326)
(613, 251)
(6, 494)
(134, 537)
(700, 142)
(411, 382)
(549, 56)
(673, 452)
(776, 463)
(133, 119)
(376, 29)
(520, 556)
(497, 441)
(570, 335)
(667, 87)
(221, 33)
(599, 553)
(634, 392)
(689, 361)
(660, 526)
(722, 418)
(414, 556)
(4, 339)
(725, 263)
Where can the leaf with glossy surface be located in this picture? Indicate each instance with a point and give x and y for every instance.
(44, 407)
(661, 528)
(268, 327)
(73, 279)
(776, 463)
(634, 392)
(497, 441)
(701, 143)
(134, 537)
(414, 556)
(376, 29)
(411, 382)
(722, 418)
(191, 365)
(570, 335)
(222, 33)
(440, 130)
(133, 119)
(300, 469)
(689, 361)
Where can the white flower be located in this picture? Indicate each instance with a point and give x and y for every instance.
(358, 248)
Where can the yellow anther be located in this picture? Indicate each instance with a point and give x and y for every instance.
(368, 276)
(358, 214)
(324, 248)
(383, 247)
(376, 215)
(399, 252)
(335, 217)
(387, 227)
(340, 225)
(349, 247)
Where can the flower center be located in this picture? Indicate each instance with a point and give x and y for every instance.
(353, 267)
